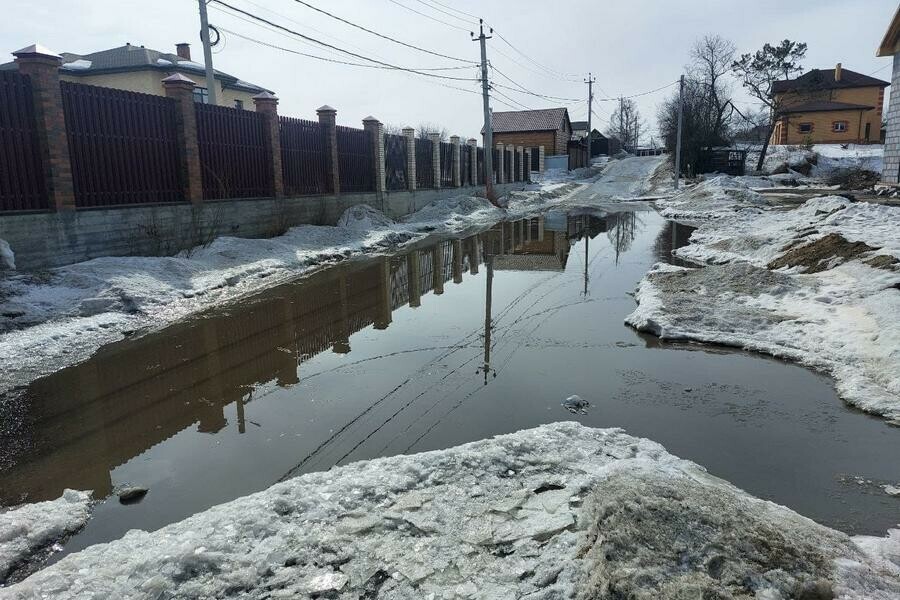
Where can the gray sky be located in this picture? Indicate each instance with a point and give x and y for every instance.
(631, 46)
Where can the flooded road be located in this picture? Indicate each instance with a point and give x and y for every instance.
(448, 342)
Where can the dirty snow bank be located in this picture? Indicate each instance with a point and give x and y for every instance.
(30, 529)
(560, 511)
(821, 161)
(819, 284)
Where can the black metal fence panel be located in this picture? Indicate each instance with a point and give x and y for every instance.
(517, 166)
(395, 162)
(479, 172)
(424, 163)
(123, 146)
(303, 157)
(446, 164)
(235, 154)
(535, 159)
(507, 165)
(21, 171)
(465, 164)
(495, 164)
(356, 161)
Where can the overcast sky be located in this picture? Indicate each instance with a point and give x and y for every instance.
(630, 46)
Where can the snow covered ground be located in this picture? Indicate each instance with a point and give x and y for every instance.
(560, 511)
(825, 159)
(819, 284)
(28, 530)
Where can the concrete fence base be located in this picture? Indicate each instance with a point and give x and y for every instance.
(53, 239)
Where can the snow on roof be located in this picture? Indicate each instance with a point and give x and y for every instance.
(78, 65)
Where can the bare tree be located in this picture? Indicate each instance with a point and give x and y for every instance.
(758, 73)
(424, 129)
(711, 60)
(625, 123)
(393, 129)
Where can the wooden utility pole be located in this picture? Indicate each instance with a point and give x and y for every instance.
(678, 140)
(590, 82)
(211, 90)
(488, 125)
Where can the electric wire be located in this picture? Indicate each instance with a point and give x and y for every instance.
(429, 16)
(429, 5)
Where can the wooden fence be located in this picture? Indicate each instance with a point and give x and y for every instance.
(355, 160)
(424, 163)
(395, 164)
(123, 146)
(21, 172)
(235, 154)
(303, 159)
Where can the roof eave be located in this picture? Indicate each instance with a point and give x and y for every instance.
(889, 45)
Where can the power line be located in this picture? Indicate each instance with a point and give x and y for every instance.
(467, 21)
(653, 91)
(333, 47)
(381, 35)
(462, 12)
(530, 93)
(430, 17)
(531, 60)
(529, 69)
(496, 91)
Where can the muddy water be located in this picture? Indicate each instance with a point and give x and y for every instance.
(388, 355)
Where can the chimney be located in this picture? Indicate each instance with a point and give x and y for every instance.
(837, 72)
(183, 50)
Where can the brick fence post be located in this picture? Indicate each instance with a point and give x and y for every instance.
(410, 134)
(520, 151)
(473, 167)
(436, 157)
(181, 89)
(457, 157)
(42, 68)
(500, 156)
(328, 121)
(376, 134)
(541, 159)
(267, 105)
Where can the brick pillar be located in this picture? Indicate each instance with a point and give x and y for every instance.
(410, 134)
(436, 157)
(500, 155)
(526, 157)
(328, 120)
(457, 158)
(520, 151)
(541, 159)
(42, 67)
(473, 148)
(181, 88)
(267, 105)
(376, 134)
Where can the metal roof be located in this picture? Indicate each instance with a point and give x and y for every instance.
(547, 119)
(822, 106)
(823, 79)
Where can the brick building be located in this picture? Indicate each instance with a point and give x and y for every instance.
(890, 46)
(829, 106)
(549, 127)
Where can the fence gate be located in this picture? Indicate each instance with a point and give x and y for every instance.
(303, 159)
(424, 163)
(21, 171)
(355, 160)
(235, 155)
(395, 161)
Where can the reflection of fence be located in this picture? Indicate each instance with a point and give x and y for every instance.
(21, 173)
(395, 162)
(303, 159)
(235, 154)
(355, 161)
(122, 146)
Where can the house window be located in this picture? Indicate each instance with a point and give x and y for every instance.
(201, 95)
(239, 104)
(839, 126)
(805, 127)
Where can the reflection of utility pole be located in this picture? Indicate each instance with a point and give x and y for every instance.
(489, 265)
(587, 240)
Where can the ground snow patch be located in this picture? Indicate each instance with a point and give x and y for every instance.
(560, 511)
(819, 284)
(363, 217)
(711, 198)
(32, 528)
(7, 257)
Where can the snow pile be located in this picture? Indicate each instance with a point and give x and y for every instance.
(821, 161)
(456, 212)
(819, 284)
(711, 198)
(27, 530)
(561, 511)
(7, 257)
(363, 217)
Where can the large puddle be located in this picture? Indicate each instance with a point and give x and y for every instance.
(450, 342)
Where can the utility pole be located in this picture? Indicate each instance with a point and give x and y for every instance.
(207, 55)
(678, 140)
(590, 82)
(488, 125)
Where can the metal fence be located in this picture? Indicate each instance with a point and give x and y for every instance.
(507, 165)
(479, 171)
(465, 164)
(303, 159)
(424, 163)
(355, 160)
(535, 159)
(235, 154)
(495, 164)
(446, 151)
(123, 146)
(21, 171)
(395, 162)
(517, 166)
